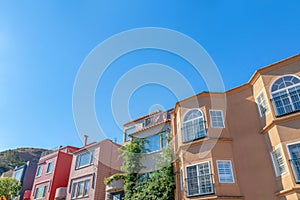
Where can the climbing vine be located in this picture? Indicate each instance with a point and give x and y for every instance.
(157, 185)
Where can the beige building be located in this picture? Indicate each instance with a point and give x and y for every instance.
(91, 164)
(244, 143)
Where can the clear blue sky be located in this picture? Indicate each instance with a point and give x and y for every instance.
(43, 44)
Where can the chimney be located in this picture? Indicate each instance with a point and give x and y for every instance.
(85, 139)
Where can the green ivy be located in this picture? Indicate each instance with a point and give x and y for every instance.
(159, 186)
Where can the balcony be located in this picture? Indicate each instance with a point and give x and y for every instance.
(296, 169)
(115, 186)
(200, 185)
(61, 193)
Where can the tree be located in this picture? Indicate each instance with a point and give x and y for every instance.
(157, 185)
(9, 187)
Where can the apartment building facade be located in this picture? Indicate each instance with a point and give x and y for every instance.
(25, 174)
(154, 128)
(90, 166)
(52, 174)
(243, 143)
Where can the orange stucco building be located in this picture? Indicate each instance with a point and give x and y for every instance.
(244, 143)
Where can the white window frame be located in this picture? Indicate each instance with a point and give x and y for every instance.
(190, 120)
(186, 176)
(211, 118)
(263, 103)
(286, 89)
(44, 192)
(161, 141)
(231, 171)
(49, 172)
(91, 159)
(75, 193)
(37, 171)
(287, 146)
(275, 165)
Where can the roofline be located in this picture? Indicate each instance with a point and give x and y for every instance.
(252, 80)
(94, 144)
(145, 116)
(142, 117)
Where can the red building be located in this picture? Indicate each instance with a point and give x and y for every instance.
(52, 174)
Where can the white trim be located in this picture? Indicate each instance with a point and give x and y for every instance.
(196, 164)
(262, 91)
(285, 87)
(223, 121)
(193, 118)
(273, 161)
(48, 166)
(289, 144)
(230, 169)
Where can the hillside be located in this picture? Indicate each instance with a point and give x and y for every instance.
(15, 157)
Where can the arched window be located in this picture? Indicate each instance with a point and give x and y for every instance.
(286, 94)
(193, 125)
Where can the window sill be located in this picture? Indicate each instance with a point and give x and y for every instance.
(81, 197)
(197, 195)
(84, 166)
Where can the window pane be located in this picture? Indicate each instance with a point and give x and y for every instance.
(74, 190)
(225, 172)
(199, 180)
(85, 159)
(80, 189)
(193, 126)
(262, 104)
(49, 167)
(40, 192)
(39, 170)
(192, 181)
(295, 159)
(216, 118)
(278, 162)
(152, 143)
(17, 174)
(86, 188)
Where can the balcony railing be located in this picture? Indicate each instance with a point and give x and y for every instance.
(296, 168)
(200, 185)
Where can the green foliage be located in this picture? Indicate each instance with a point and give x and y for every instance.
(159, 185)
(17, 157)
(114, 177)
(9, 187)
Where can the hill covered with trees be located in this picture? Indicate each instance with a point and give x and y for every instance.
(16, 157)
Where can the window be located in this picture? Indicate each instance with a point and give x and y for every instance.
(294, 150)
(85, 159)
(225, 171)
(80, 189)
(116, 196)
(278, 162)
(261, 104)
(286, 94)
(156, 142)
(39, 170)
(181, 179)
(40, 192)
(193, 125)
(18, 174)
(49, 167)
(199, 181)
(216, 118)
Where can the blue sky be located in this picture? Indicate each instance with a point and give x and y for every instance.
(44, 43)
